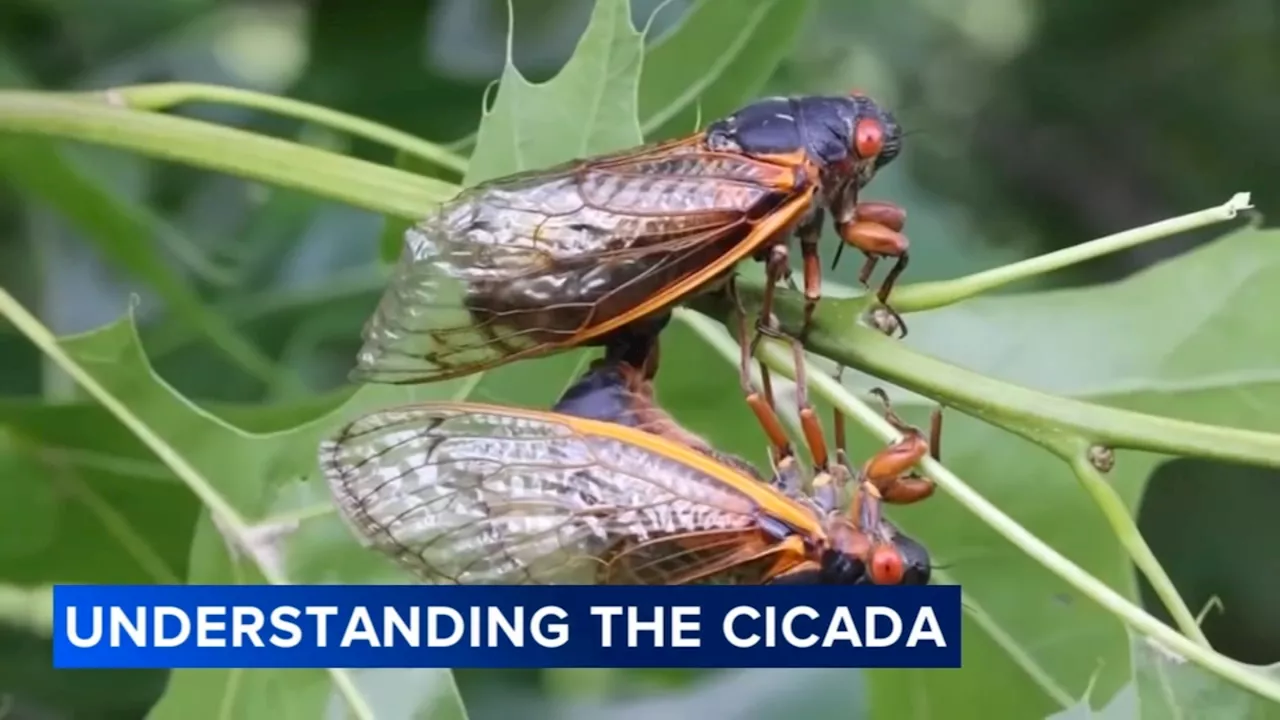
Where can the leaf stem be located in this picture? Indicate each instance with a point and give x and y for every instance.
(226, 517)
(237, 152)
(30, 608)
(930, 295)
(165, 96)
(1126, 530)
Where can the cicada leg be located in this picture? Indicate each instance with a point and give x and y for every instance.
(891, 471)
(787, 476)
(809, 232)
(828, 479)
(777, 266)
(891, 558)
(875, 228)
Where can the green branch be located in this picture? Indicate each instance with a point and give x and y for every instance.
(29, 608)
(165, 96)
(930, 295)
(1055, 422)
(1126, 530)
(237, 152)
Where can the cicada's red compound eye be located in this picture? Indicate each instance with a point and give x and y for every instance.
(886, 566)
(868, 138)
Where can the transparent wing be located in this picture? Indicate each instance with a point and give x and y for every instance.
(528, 264)
(461, 493)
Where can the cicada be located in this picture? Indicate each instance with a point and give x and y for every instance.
(593, 250)
(606, 488)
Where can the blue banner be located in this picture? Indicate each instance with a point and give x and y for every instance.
(416, 626)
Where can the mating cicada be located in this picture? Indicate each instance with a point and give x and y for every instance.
(597, 249)
(606, 488)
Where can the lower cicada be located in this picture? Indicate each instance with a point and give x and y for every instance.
(607, 489)
(579, 254)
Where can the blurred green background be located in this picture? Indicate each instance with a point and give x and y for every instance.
(1033, 126)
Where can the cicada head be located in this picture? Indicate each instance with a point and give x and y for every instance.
(916, 564)
(879, 555)
(853, 136)
(874, 136)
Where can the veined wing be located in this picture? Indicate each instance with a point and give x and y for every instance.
(526, 265)
(477, 494)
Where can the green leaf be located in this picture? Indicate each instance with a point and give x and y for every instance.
(719, 57)
(755, 694)
(85, 503)
(1166, 686)
(1169, 686)
(1123, 706)
(82, 502)
(586, 109)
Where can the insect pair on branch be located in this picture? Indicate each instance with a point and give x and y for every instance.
(606, 487)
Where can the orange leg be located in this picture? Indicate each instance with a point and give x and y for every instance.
(809, 233)
(875, 228)
(829, 478)
(889, 556)
(887, 214)
(837, 424)
(891, 471)
(786, 475)
(809, 423)
(776, 267)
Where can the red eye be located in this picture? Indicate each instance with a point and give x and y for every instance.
(868, 138)
(886, 566)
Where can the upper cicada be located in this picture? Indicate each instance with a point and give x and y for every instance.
(582, 253)
(606, 489)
